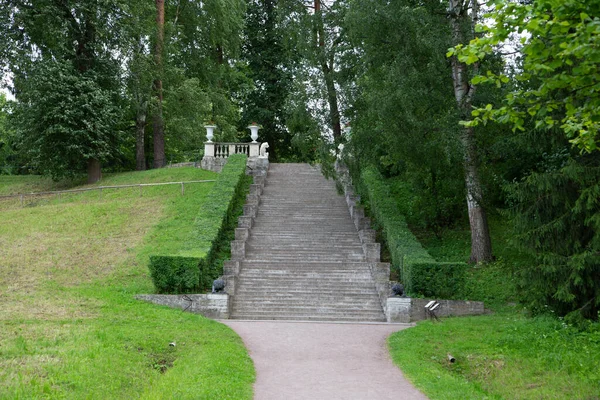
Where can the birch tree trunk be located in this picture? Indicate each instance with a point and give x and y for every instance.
(463, 17)
(158, 127)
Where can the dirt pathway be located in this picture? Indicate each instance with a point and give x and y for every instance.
(323, 361)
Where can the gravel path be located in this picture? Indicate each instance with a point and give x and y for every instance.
(323, 361)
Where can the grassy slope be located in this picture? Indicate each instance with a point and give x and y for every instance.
(68, 324)
(504, 355)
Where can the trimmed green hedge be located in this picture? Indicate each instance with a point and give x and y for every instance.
(419, 272)
(442, 280)
(173, 274)
(192, 268)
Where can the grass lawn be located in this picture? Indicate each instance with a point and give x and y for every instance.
(502, 355)
(69, 267)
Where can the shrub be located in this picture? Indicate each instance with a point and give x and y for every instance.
(434, 279)
(171, 273)
(419, 272)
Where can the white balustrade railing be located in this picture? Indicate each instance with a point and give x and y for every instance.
(224, 150)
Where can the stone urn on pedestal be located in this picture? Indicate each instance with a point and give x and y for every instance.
(210, 129)
(254, 127)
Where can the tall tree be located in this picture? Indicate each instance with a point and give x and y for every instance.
(552, 99)
(74, 43)
(402, 107)
(205, 45)
(270, 67)
(65, 120)
(158, 124)
(326, 53)
(463, 17)
(139, 72)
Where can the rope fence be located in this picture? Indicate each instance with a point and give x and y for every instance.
(22, 196)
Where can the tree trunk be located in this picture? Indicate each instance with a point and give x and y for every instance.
(140, 131)
(158, 127)
(334, 112)
(481, 244)
(327, 69)
(94, 170)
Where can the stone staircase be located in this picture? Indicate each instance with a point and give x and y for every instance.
(298, 254)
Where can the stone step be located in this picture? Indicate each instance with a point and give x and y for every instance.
(293, 265)
(303, 240)
(306, 272)
(319, 272)
(341, 317)
(306, 308)
(312, 284)
(295, 257)
(309, 252)
(300, 238)
(294, 296)
(272, 247)
(372, 304)
(253, 286)
(298, 293)
(303, 257)
(259, 226)
(301, 254)
(322, 217)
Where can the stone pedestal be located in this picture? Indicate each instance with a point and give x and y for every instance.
(258, 166)
(254, 149)
(398, 309)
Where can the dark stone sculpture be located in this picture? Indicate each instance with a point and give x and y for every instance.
(218, 285)
(398, 289)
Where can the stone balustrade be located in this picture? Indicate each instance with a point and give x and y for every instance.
(224, 150)
(216, 154)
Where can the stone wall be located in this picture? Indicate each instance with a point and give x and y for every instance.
(214, 164)
(405, 309)
(211, 305)
(183, 164)
(256, 166)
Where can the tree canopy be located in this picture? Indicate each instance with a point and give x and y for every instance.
(558, 81)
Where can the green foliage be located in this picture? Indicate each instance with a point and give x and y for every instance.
(172, 274)
(186, 108)
(404, 117)
(419, 272)
(7, 152)
(433, 279)
(269, 61)
(66, 81)
(557, 221)
(399, 238)
(215, 220)
(64, 118)
(560, 57)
